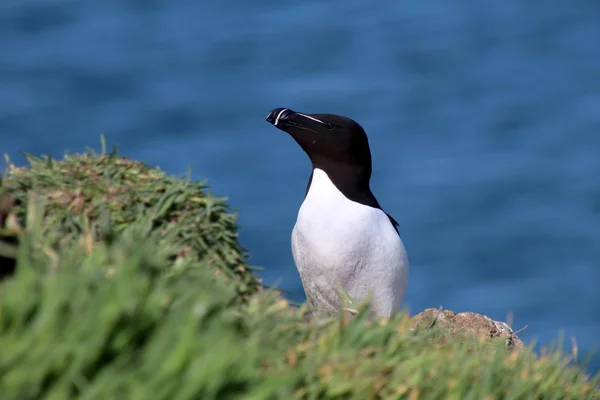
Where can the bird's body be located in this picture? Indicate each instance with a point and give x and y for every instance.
(340, 242)
(342, 239)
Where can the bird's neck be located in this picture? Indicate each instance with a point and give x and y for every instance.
(351, 181)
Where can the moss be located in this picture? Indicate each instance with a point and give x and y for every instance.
(131, 284)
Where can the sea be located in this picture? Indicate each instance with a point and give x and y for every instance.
(483, 119)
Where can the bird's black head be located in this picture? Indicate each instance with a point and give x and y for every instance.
(336, 145)
(333, 143)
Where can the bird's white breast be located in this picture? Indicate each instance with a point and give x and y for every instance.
(337, 241)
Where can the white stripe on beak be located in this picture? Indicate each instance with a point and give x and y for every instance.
(279, 115)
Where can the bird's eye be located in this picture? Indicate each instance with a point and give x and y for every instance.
(329, 126)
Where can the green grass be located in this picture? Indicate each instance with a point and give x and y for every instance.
(105, 194)
(130, 284)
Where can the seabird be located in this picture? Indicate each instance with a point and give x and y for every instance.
(342, 238)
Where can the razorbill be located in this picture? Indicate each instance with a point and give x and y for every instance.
(342, 238)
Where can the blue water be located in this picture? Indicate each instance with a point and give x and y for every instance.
(483, 117)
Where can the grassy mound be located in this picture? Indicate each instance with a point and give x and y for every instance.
(130, 284)
(104, 194)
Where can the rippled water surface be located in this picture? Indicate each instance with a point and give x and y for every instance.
(483, 117)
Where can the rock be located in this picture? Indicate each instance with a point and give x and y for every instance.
(467, 325)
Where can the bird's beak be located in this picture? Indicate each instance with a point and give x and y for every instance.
(284, 119)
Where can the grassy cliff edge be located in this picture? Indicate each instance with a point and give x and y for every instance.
(122, 282)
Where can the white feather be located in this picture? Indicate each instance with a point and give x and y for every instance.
(337, 241)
